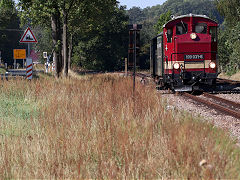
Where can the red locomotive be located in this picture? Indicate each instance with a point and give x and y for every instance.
(184, 55)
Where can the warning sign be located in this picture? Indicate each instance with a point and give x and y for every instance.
(28, 37)
(19, 54)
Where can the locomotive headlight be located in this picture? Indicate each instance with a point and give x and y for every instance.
(176, 66)
(212, 65)
(193, 36)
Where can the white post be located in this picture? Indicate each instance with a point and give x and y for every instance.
(14, 64)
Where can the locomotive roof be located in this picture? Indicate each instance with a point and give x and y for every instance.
(188, 15)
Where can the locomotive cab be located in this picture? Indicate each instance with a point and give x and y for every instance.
(184, 55)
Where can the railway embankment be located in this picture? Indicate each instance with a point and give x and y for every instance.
(207, 113)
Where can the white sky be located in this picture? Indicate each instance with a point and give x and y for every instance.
(140, 3)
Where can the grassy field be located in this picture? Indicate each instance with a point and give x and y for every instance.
(92, 127)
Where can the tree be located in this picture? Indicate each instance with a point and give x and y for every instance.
(9, 30)
(104, 47)
(135, 15)
(229, 40)
(62, 15)
(230, 10)
(163, 19)
(47, 14)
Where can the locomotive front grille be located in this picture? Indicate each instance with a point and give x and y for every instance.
(194, 64)
(188, 64)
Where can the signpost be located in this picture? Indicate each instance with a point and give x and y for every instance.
(134, 45)
(47, 64)
(28, 37)
(19, 54)
(45, 55)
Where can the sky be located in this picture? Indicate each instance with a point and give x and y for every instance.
(140, 3)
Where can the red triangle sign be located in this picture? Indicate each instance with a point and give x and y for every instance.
(28, 37)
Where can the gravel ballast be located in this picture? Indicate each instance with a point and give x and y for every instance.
(207, 114)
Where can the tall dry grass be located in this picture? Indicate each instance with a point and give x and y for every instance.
(92, 127)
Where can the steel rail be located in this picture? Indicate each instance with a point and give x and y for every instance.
(227, 81)
(210, 104)
(226, 101)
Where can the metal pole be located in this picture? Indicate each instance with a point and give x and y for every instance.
(14, 64)
(28, 50)
(0, 58)
(134, 68)
(126, 68)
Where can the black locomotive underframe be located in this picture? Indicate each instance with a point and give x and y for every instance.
(189, 81)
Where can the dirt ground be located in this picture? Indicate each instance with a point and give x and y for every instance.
(235, 77)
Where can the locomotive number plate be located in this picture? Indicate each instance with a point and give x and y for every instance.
(194, 56)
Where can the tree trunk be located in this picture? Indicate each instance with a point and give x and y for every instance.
(56, 36)
(70, 51)
(65, 46)
(55, 39)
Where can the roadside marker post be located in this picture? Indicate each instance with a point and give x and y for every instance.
(53, 67)
(47, 64)
(126, 68)
(29, 68)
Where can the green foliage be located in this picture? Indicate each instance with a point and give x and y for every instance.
(9, 23)
(44, 41)
(229, 37)
(223, 49)
(230, 10)
(164, 18)
(104, 47)
(135, 15)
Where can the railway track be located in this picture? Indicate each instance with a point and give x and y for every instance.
(221, 105)
(220, 80)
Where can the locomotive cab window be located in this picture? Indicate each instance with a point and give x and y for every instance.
(181, 28)
(213, 32)
(169, 35)
(201, 28)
